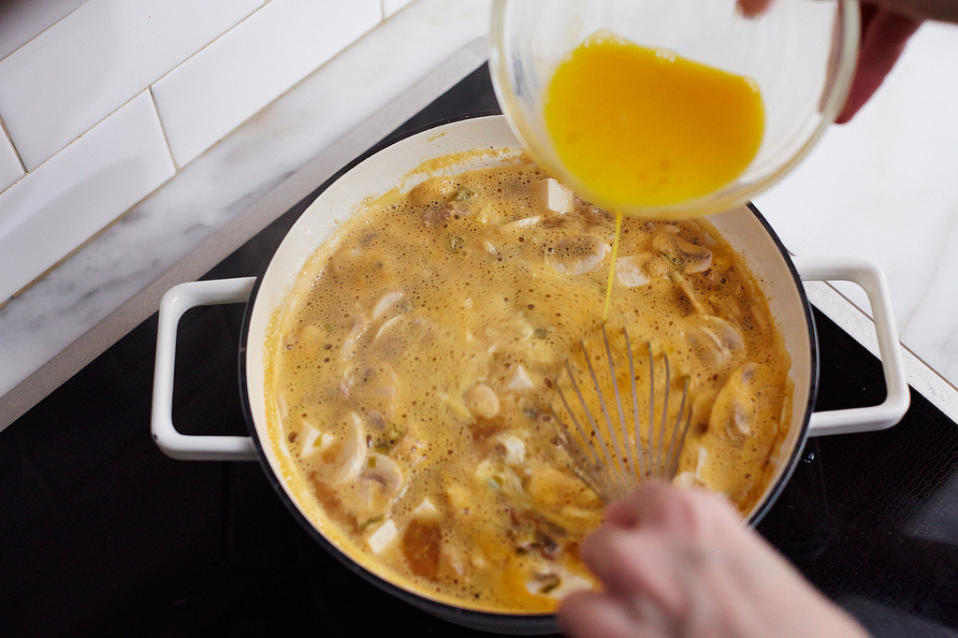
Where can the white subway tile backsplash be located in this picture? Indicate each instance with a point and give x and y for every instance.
(243, 71)
(392, 6)
(21, 20)
(86, 65)
(81, 189)
(10, 169)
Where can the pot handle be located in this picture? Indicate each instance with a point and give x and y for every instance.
(872, 280)
(175, 302)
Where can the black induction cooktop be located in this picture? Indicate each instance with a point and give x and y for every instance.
(100, 534)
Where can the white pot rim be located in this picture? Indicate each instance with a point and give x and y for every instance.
(442, 608)
(744, 227)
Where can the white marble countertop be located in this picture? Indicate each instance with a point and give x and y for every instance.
(884, 186)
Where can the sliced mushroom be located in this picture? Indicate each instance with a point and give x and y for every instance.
(379, 485)
(360, 323)
(630, 271)
(714, 340)
(734, 409)
(348, 380)
(387, 327)
(482, 401)
(351, 455)
(658, 266)
(687, 290)
(385, 472)
(687, 257)
(578, 255)
(525, 222)
(386, 302)
(376, 389)
(702, 403)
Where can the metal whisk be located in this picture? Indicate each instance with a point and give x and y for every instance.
(612, 455)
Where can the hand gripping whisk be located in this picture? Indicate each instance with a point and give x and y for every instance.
(612, 455)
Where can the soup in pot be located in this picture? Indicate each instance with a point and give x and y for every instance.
(410, 377)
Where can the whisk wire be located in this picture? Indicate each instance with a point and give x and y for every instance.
(606, 464)
(653, 466)
(596, 434)
(660, 459)
(564, 432)
(610, 427)
(673, 437)
(626, 453)
(637, 441)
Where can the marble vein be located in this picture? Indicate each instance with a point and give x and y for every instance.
(885, 187)
(220, 184)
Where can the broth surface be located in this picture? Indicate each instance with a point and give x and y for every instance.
(409, 376)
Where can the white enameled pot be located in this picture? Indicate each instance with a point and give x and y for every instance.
(778, 274)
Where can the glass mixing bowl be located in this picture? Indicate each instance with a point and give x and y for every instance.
(801, 53)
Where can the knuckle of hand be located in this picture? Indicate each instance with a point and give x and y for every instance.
(681, 513)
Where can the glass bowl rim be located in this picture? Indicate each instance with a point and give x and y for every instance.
(726, 198)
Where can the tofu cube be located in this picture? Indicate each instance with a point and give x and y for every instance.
(315, 441)
(554, 196)
(383, 536)
(426, 509)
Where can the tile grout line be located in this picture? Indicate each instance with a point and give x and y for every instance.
(402, 8)
(148, 86)
(208, 44)
(45, 29)
(86, 242)
(286, 91)
(81, 135)
(58, 369)
(166, 138)
(177, 167)
(16, 152)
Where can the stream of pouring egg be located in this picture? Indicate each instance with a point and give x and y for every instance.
(641, 127)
